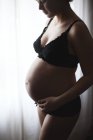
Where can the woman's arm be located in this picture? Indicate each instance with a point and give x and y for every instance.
(82, 42)
(81, 85)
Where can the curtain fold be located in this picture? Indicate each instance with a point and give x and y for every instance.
(19, 26)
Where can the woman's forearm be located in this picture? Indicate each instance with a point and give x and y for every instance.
(81, 85)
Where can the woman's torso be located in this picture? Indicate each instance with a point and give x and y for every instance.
(46, 79)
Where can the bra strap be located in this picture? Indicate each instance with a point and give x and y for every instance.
(78, 20)
(47, 25)
(49, 22)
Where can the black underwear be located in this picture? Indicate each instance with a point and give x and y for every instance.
(68, 110)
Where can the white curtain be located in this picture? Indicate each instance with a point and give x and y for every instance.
(20, 24)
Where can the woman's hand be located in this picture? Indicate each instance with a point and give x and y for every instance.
(48, 104)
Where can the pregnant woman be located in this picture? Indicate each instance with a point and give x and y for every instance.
(51, 82)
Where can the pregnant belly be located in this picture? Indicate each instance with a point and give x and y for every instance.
(46, 80)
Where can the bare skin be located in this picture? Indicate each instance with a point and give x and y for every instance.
(56, 127)
(54, 79)
(52, 86)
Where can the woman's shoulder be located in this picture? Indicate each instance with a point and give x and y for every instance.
(79, 29)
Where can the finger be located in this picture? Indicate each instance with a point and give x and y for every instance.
(41, 101)
(42, 106)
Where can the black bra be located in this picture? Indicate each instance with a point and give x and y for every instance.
(56, 52)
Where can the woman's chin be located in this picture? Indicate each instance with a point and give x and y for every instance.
(48, 14)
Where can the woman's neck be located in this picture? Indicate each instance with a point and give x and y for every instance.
(64, 15)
